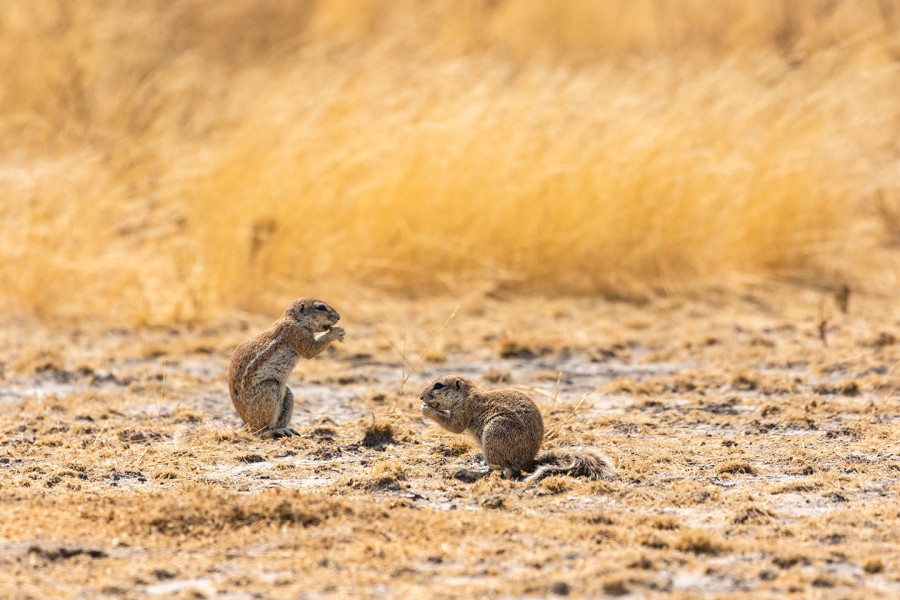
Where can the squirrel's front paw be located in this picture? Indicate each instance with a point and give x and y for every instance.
(336, 334)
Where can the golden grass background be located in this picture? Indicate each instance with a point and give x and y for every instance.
(163, 162)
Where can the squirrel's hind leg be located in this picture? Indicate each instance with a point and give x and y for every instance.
(266, 412)
(510, 473)
(286, 411)
(281, 428)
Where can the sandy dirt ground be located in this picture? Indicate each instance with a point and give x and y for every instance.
(755, 436)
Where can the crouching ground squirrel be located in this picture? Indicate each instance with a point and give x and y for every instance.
(509, 430)
(260, 366)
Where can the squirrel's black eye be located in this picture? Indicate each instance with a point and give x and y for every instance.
(321, 307)
(438, 385)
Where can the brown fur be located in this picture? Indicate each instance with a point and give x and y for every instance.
(257, 378)
(508, 427)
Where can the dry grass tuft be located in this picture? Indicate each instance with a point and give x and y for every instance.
(209, 433)
(735, 467)
(387, 475)
(743, 381)
(378, 434)
(516, 348)
(38, 361)
(786, 561)
(558, 484)
(616, 587)
(873, 565)
(495, 375)
(455, 447)
(753, 515)
(492, 501)
(665, 523)
(698, 542)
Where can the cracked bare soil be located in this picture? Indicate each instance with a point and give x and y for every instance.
(755, 434)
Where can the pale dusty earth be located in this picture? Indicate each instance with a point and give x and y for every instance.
(755, 436)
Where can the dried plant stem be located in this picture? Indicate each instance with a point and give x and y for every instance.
(427, 347)
(553, 431)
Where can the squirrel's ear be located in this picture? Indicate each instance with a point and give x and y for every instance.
(303, 307)
(457, 384)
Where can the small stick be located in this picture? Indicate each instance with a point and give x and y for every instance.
(401, 352)
(138, 462)
(535, 390)
(403, 362)
(555, 429)
(425, 351)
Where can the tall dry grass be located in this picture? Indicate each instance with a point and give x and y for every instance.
(161, 161)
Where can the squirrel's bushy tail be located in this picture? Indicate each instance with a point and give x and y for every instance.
(578, 462)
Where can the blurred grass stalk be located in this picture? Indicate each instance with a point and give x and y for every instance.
(161, 162)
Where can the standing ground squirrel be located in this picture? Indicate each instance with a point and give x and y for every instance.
(509, 430)
(260, 366)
